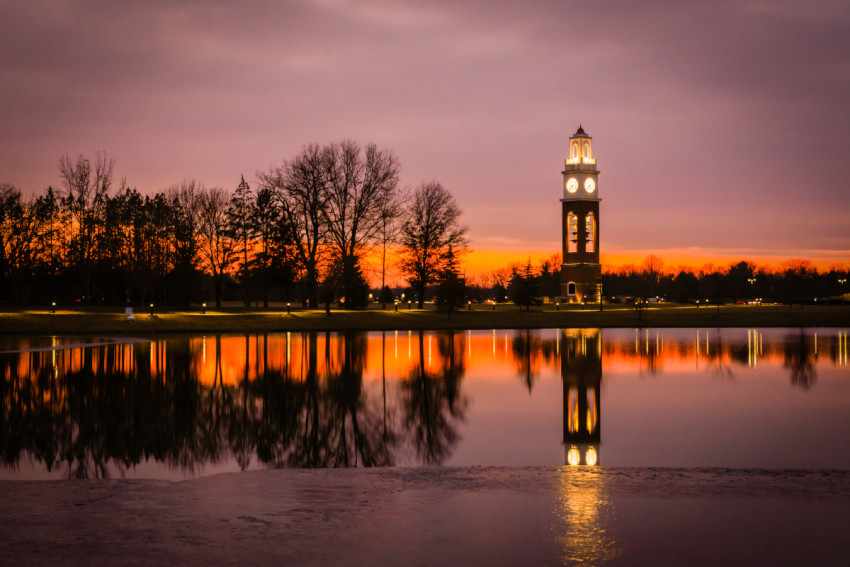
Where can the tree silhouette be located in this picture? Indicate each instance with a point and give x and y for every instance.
(451, 286)
(429, 228)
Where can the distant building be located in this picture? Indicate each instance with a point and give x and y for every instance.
(581, 272)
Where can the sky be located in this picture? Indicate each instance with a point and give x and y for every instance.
(721, 129)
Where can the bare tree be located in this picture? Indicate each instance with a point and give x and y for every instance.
(20, 229)
(429, 228)
(217, 248)
(185, 226)
(389, 233)
(86, 190)
(359, 184)
(653, 269)
(301, 184)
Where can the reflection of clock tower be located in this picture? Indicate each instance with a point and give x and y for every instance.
(581, 372)
(581, 270)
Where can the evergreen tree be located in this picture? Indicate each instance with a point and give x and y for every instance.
(523, 289)
(355, 289)
(240, 216)
(451, 287)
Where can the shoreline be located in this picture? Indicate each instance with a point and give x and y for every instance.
(112, 321)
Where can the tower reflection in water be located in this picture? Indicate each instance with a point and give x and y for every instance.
(583, 506)
(581, 371)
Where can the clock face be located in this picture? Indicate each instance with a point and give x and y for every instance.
(572, 185)
(589, 185)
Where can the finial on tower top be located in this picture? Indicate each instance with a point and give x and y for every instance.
(580, 131)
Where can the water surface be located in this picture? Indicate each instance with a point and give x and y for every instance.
(185, 406)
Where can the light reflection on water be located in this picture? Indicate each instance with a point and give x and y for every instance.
(184, 406)
(585, 512)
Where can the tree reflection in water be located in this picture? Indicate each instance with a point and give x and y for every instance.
(800, 360)
(100, 410)
(529, 352)
(307, 400)
(432, 402)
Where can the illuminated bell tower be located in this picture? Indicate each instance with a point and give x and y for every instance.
(581, 270)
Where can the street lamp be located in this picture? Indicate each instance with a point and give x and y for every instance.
(203, 308)
(151, 309)
(599, 292)
(288, 305)
(53, 305)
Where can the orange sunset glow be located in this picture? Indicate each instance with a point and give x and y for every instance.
(229, 360)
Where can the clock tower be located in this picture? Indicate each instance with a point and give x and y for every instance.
(581, 271)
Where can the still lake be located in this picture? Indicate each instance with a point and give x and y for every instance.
(184, 406)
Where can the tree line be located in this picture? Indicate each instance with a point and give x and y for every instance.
(793, 281)
(300, 234)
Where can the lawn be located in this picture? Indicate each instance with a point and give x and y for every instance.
(105, 320)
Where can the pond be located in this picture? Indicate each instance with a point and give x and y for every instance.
(184, 406)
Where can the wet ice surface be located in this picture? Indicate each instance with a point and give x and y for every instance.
(433, 516)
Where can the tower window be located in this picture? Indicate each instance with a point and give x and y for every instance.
(575, 150)
(590, 232)
(586, 149)
(572, 232)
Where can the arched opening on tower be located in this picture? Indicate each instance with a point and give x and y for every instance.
(575, 150)
(590, 231)
(586, 149)
(572, 232)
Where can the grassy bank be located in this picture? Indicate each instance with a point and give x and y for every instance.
(100, 320)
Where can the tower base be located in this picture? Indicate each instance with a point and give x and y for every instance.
(581, 282)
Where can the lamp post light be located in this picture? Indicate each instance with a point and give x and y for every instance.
(396, 305)
(203, 308)
(151, 306)
(53, 307)
(288, 306)
(469, 305)
(408, 305)
(558, 306)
